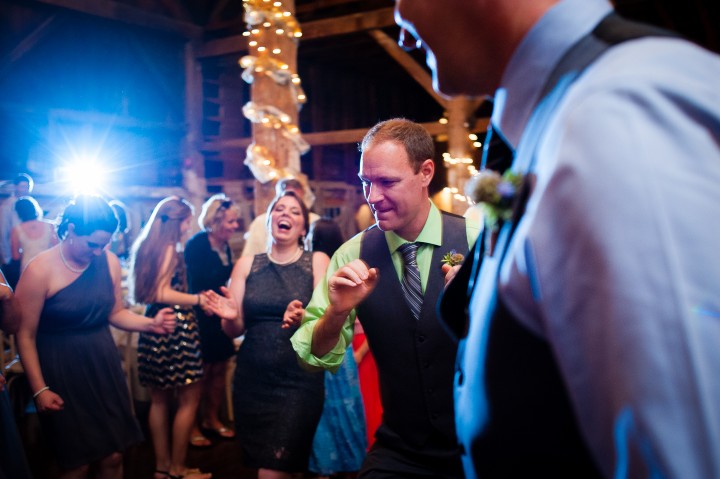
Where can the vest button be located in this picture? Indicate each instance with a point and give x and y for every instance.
(421, 339)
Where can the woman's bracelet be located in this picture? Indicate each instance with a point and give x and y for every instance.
(199, 302)
(40, 391)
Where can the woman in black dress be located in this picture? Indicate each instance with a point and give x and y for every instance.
(209, 263)
(170, 366)
(68, 295)
(277, 403)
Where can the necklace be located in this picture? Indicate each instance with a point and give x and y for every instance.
(74, 270)
(292, 259)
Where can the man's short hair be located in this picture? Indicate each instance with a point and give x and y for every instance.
(418, 143)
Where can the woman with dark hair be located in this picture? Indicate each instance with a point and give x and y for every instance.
(33, 235)
(169, 365)
(277, 404)
(68, 295)
(209, 262)
(120, 244)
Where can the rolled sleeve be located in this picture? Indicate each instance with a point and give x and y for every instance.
(302, 339)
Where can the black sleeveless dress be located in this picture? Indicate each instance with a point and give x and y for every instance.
(277, 403)
(81, 363)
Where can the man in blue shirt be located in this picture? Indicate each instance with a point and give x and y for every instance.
(605, 285)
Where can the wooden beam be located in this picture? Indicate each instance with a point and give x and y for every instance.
(335, 137)
(27, 43)
(357, 22)
(127, 14)
(217, 10)
(417, 72)
(178, 9)
(320, 4)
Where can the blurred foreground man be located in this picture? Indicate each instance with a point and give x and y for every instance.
(591, 347)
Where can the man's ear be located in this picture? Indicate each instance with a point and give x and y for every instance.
(427, 170)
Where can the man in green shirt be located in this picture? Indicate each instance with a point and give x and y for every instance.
(366, 277)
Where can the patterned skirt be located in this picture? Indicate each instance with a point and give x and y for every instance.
(171, 360)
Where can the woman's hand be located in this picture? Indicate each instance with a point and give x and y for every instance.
(164, 321)
(203, 301)
(48, 401)
(293, 314)
(223, 306)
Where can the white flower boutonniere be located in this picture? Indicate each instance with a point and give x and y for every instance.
(497, 194)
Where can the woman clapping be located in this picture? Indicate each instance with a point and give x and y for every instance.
(277, 404)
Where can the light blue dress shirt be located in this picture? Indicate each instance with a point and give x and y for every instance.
(616, 262)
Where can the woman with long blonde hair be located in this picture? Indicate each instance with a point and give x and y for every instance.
(168, 365)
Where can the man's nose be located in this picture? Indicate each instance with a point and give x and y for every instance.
(407, 41)
(373, 194)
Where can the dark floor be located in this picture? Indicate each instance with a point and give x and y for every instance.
(223, 459)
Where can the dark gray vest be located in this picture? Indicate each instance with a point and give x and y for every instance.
(415, 358)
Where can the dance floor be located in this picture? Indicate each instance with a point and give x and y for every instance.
(223, 458)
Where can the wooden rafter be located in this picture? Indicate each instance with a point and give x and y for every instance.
(27, 43)
(237, 44)
(334, 137)
(217, 10)
(127, 14)
(178, 9)
(320, 4)
(418, 73)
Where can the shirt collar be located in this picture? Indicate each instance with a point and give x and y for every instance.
(430, 234)
(536, 56)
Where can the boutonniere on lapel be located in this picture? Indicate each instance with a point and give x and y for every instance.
(452, 258)
(497, 194)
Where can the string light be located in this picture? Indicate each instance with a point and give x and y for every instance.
(271, 15)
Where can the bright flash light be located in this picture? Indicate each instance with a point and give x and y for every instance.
(84, 176)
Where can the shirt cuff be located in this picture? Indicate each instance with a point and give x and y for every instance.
(302, 344)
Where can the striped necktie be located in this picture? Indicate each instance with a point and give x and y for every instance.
(411, 278)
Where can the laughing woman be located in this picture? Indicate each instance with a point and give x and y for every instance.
(277, 404)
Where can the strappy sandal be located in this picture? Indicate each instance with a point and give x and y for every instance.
(222, 431)
(199, 440)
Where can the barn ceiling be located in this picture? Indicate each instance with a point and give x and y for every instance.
(341, 62)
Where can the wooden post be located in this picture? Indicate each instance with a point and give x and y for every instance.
(459, 109)
(275, 50)
(193, 167)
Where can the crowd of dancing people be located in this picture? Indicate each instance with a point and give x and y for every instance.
(197, 305)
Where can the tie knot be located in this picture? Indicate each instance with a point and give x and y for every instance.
(409, 252)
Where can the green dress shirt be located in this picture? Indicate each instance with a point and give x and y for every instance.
(429, 238)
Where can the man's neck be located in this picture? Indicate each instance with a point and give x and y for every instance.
(412, 230)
